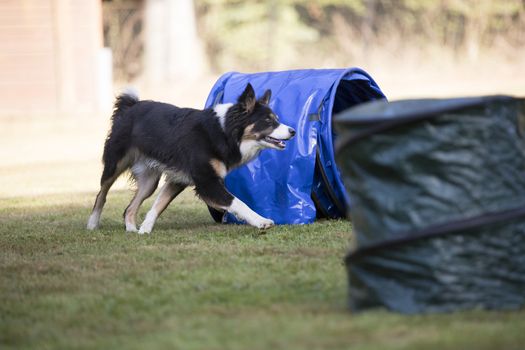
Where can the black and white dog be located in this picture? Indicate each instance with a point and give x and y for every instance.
(191, 147)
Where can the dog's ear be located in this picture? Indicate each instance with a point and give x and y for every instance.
(247, 99)
(265, 99)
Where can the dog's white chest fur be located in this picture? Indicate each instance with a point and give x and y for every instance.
(249, 150)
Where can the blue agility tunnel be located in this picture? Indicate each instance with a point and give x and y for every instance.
(301, 183)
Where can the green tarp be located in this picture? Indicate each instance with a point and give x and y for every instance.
(437, 193)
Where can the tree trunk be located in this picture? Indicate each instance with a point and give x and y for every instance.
(172, 49)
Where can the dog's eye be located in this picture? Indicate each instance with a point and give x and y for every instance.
(271, 117)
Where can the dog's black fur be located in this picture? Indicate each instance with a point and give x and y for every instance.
(193, 147)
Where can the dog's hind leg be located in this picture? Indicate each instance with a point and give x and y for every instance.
(167, 193)
(106, 181)
(147, 181)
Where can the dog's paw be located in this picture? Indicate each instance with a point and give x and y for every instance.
(148, 223)
(146, 227)
(131, 227)
(144, 230)
(264, 224)
(92, 223)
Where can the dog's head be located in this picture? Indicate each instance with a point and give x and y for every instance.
(256, 123)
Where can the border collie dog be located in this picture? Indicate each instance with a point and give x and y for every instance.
(191, 147)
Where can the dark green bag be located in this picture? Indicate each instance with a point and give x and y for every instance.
(437, 190)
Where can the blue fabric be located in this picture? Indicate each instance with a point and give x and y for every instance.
(278, 184)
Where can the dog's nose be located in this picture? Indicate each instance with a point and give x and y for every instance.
(291, 131)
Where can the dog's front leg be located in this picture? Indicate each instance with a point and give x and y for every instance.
(243, 212)
(211, 189)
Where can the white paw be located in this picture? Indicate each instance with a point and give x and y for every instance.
(264, 223)
(92, 223)
(131, 227)
(146, 227)
(148, 223)
(144, 230)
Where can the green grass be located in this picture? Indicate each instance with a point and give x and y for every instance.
(194, 284)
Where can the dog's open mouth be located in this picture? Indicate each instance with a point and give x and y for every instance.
(276, 142)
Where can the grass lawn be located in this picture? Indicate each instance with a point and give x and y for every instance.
(194, 284)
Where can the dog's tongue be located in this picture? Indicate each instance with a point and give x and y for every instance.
(278, 143)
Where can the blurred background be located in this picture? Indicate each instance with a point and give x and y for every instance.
(63, 61)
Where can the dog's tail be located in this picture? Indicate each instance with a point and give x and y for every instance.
(123, 102)
(118, 140)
